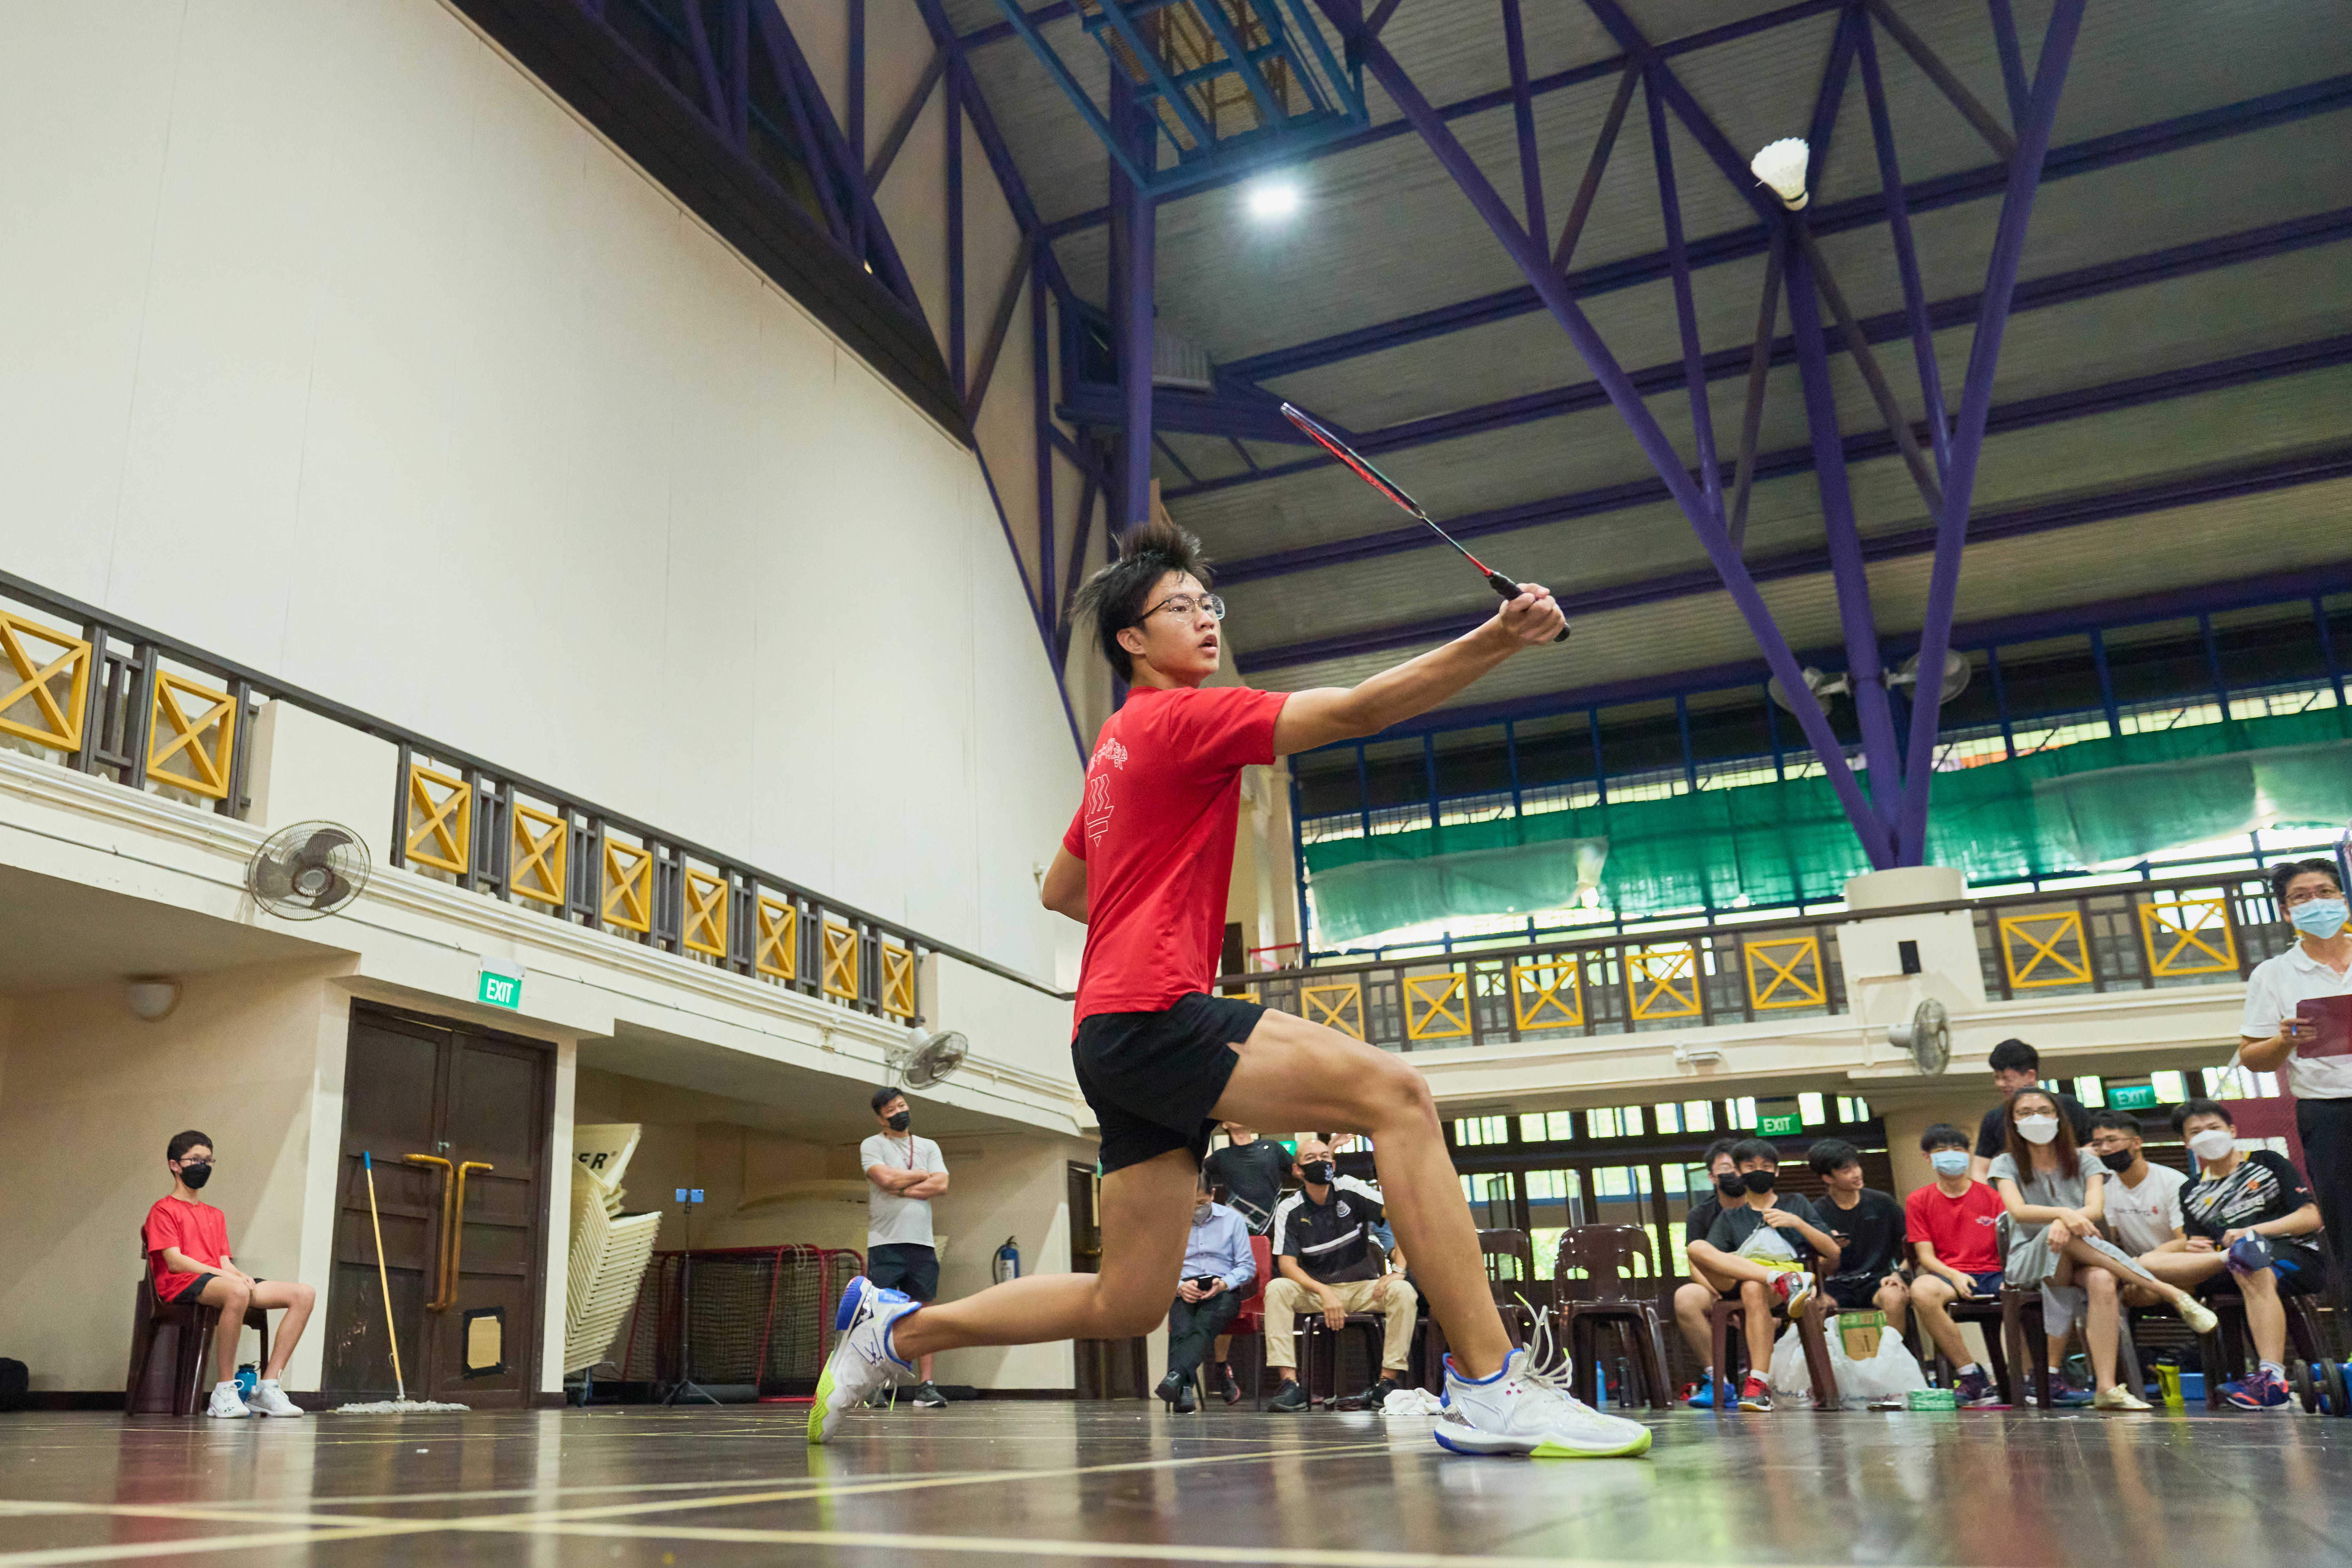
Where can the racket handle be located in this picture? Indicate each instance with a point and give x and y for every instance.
(1510, 590)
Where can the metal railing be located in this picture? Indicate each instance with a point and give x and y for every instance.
(2197, 930)
(118, 701)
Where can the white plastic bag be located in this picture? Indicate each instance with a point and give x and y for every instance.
(1892, 1373)
(1765, 1244)
(1789, 1377)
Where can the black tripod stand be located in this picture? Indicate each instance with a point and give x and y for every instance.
(686, 1388)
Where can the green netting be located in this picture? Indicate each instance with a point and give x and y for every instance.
(2056, 811)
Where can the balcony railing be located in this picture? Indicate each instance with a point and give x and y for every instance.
(117, 700)
(2144, 935)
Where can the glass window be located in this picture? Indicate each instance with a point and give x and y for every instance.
(2238, 1083)
(1811, 1108)
(1851, 1110)
(1698, 1116)
(2091, 1092)
(2172, 1087)
(1739, 1113)
(1547, 1126)
(1621, 1195)
(1669, 1118)
(1492, 1205)
(1614, 1121)
(1479, 1131)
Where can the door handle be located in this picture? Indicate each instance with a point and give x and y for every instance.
(441, 1281)
(457, 1230)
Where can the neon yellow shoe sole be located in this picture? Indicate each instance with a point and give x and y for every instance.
(823, 1401)
(1634, 1449)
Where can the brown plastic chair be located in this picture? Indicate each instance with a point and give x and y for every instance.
(1619, 1276)
(1985, 1314)
(2025, 1338)
(172, 1384)
(1512, 1291)
(1724, 1317)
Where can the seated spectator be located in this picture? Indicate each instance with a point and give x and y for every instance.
(1954, 1227)
(1326, 1261)
(2054, 1193)
(1867, 1226)
(187, 1247)
(1757, 1253)
(1251, 1169)
(2015, 1065)
(1693, 1298)
(1218, 1268)
(2143, 1199)
(2246, 1218)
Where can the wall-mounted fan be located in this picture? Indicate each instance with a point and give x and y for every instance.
(308, 870)
(1823, 687)
(1927, 1037)
(927, 1058)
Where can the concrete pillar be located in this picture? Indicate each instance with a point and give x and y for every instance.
(1893, 908)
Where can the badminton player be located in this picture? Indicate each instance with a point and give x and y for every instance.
(1145, 865)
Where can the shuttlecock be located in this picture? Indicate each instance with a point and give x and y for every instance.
(1781, 166)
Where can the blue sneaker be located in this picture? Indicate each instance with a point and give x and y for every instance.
(2264, 1391)
(2072, 1398)
(1699, 1395)
(863, 1362)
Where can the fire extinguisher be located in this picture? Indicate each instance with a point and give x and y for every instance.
(1008, 1262)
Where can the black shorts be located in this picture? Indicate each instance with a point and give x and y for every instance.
(190, 1292)
(1853, 1292)
(1154, 1077)
(904, 1265)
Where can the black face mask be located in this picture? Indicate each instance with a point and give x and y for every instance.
(1729, 1185)
(2118, 1162)
(197, 1174)
(1759, 1181)
(1316, 1172)
(900, 1120)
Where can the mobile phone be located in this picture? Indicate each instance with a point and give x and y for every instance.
(1206, 1281)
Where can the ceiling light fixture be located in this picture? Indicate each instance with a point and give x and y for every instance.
(1272, 199)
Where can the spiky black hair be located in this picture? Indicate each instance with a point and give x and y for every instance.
(1116, 597)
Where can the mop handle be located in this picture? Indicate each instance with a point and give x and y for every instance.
(399, 1388)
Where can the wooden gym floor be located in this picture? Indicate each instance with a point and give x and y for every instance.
(999, 1482)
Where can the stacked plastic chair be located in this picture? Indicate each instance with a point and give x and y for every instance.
(610, 1249)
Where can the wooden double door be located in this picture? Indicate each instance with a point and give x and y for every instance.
(456, 1122)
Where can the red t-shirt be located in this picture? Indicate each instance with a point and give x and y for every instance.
(199, 1230)
(1156, 831)
(1960, 1230)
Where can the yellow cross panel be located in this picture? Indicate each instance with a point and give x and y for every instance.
(777, 951)
(1436, 1007)
(1536, 999)
(628, 903)
(706, 913)
(190, 712)
(897, 982)
(2042, 941)
(1340, 1005)
(537, 856)
(1784, 972)
(2190, 937)
(1663, 982)
(840, 962)
(440, 830)
(49, 717)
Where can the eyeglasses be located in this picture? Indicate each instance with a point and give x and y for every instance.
(1186, 606)
(2302, 896)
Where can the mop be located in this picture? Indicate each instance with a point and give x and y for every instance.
(401, 1405)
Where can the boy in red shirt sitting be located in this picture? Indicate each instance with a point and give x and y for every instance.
(1954, 1224)
(187, 1246)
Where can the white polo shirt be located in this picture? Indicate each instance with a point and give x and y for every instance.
(2146, 1217)
(2271, 992)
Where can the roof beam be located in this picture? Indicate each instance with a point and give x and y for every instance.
(2058, 289)
(1812, 561)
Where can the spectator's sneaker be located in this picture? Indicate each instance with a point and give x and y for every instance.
(1525, 1408)
(1795, 1288)
(930, 1398)
(1185, 1402)
(225, 1404)
(1975, 1391)
(2264, 1391)
(2118, 1398)
(1228, 1386)
(1699, 1395)
(2198, 1317)
(1289, 1397)
(1374, 1397)
(269, 1399)
(1756, 1394)
(862, 1363)
(1165, 1390)
(2063, 1397)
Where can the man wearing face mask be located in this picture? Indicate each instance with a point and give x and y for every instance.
(1694, 1298)
(187, 1247)
(903, 1173)
(1732, 1259)
(1218, 1268)
(2143, 1199)
(2310, 894)
(1325, 1262)
(1953, 1226)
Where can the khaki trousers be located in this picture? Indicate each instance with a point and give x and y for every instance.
(1286, 1302)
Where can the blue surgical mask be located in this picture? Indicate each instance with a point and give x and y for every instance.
(1949, 1162)
(2321, 918)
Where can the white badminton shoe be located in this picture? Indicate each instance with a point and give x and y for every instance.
(269, 1399)
(862, 1363)
(226, 1403)
(1525, 1408)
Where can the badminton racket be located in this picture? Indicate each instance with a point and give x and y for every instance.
(1316, 432)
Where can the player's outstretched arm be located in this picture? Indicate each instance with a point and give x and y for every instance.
(1317, 718)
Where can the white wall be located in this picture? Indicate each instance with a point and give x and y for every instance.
(337, 347)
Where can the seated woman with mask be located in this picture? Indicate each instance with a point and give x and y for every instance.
(2053, 1191)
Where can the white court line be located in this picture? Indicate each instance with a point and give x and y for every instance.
(189, 1546)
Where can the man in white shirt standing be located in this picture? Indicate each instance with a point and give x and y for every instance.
(903, 1174)
(2143, 1200)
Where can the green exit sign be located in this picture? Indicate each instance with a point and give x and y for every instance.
(501, 984)
(1779, 1118)
(2132, 1096)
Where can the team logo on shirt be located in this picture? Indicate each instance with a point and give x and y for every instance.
(1111, 752)
(1099, 788)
